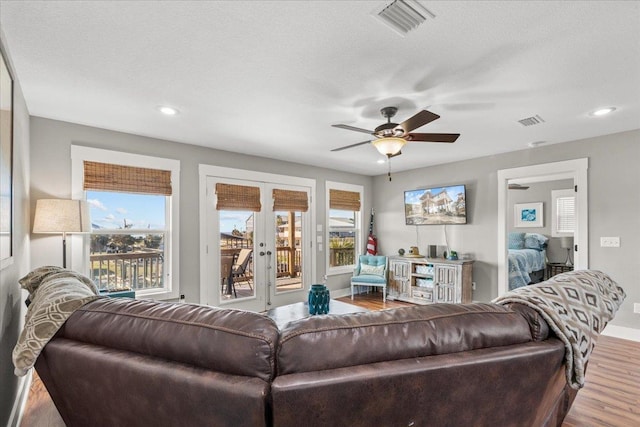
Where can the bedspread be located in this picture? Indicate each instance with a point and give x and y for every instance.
(521, 262)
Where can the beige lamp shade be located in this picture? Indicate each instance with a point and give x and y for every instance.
(61, 216)
(566, 242)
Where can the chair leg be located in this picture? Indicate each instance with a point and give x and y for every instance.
(351, 290)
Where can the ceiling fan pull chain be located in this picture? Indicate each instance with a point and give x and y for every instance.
(389, 163)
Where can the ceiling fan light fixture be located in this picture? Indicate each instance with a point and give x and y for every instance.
(389, 146)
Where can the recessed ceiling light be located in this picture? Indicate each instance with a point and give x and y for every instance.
(603, 111)
(381, 161)
(169, 111)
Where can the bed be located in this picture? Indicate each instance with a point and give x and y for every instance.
(526, 259)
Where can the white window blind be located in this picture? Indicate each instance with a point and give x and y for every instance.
(564, 212)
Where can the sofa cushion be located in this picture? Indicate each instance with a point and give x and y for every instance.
(335, 341)
(230, 341)
(368, 279)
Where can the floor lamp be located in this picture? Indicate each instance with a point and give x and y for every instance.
(61, 216)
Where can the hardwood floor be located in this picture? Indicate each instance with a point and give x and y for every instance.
(610, 398)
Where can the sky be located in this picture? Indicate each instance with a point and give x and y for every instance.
(110, 210)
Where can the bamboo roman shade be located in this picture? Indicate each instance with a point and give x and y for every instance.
(290, 201)
(344, 200)
(126, 179)
(238, 197)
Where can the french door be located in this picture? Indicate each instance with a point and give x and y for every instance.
(258, 248)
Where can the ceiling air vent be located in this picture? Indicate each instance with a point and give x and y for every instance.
(404, 15)
(530, 121)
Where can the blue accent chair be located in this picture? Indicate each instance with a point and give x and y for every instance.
(372, 270)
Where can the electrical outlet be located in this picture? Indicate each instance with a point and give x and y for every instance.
(610, 242)
(636, 307)
(473, 286)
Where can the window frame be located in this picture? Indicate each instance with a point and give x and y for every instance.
(80, 243)
(357, 228)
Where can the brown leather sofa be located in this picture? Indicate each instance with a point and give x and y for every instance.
(119, 362)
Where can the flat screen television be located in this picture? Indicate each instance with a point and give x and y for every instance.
(438, 205)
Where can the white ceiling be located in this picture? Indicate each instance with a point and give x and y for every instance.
(269, 77)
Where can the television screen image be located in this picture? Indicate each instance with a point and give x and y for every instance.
(438, 205)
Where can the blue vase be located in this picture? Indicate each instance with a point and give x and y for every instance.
(319, 299)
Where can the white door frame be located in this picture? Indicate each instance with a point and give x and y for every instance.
(210, 269)
(576, 169)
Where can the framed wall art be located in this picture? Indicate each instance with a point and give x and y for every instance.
(528, 215)
(6, 163)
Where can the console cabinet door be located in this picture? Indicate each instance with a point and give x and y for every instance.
(446, 280)
(399, 280)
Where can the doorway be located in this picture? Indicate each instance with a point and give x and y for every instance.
(570, 169)
(256, 247)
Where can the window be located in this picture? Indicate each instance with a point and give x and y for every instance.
(343, 219)
(564, 212)
(133, 203)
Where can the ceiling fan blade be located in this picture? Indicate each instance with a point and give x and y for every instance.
(433, 137)
(418, 120)
(518, 187)
(351, 146)
(353, 128)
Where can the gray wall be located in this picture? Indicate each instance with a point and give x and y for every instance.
(50, 145)
(540, 192)
(614, 203)
(12, 308)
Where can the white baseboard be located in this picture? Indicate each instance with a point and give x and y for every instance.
(339, 293)
(24, 385)
(622, 332)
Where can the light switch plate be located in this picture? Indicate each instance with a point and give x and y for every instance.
(610, 242)
(636, 307)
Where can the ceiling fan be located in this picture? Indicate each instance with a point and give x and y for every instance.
(518, 187)
(391, 137)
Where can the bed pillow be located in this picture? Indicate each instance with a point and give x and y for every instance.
(516, 241)
(535, 241)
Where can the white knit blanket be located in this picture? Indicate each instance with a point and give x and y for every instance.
(55, 293)
(577, 306)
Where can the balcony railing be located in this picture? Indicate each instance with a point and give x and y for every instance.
(341, 256)
(133, 270)
(288, 262)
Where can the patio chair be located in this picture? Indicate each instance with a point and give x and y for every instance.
(226, 275)
(241, 266)
(371, 271)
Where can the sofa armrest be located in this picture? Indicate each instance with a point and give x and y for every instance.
(538, 326)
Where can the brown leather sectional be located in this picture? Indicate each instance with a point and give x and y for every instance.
(119, 362)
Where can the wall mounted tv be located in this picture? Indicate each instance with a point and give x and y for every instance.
(438, 205)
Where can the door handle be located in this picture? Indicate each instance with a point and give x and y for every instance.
(268, 252)
(261, 253)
